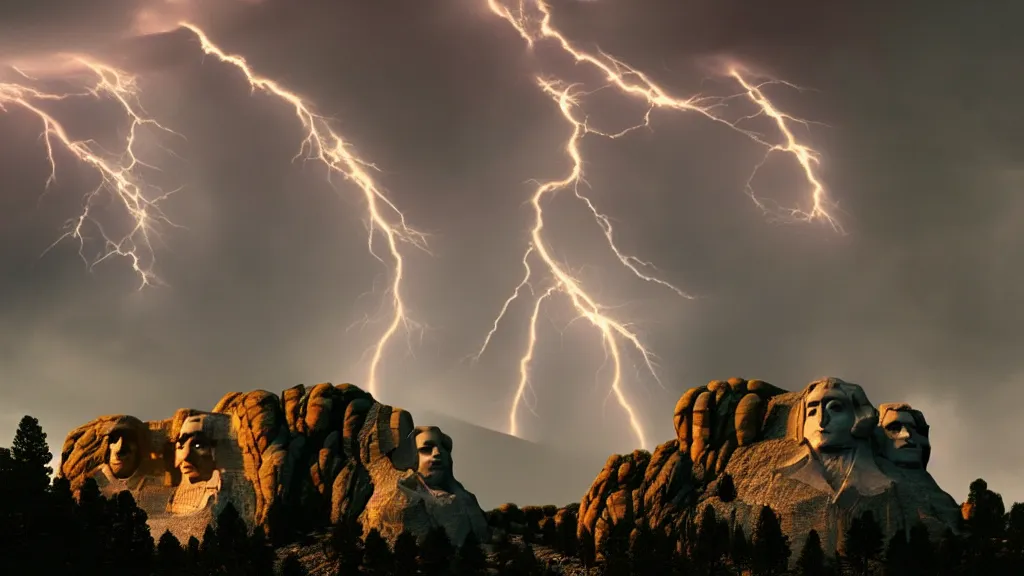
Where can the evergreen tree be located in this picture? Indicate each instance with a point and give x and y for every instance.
(66, 532)
(193, 556)
(770, 550)
(131, 542)
(210, 561)
(726, 490)
(920, 552)
(986, 524)
(291, 566)
(437, 552)
(739, 549)
(377, 558)
(93, 519)
(1015, 537)
(811, 561)
(31, 456)
(170, 556)
(470, 560)
(949, 555)
(897, 554)
(863, 542)
(232, 541)
(407, 551)
(261, 554)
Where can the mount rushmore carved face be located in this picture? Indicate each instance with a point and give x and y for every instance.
(194, 450)
(124, 447)
(435, 456)
(904, 438)
(833, 415)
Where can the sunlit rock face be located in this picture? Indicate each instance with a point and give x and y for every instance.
(321, 453)
(819, 457)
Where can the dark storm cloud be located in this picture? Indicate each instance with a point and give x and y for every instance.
(920, 302)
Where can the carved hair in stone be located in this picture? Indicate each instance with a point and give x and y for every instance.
(435, 457)
(903, 435)
(832, 415)
(127, 446)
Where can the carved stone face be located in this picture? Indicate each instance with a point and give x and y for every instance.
(193, 450)
(904, 443)
(829, 419)
(123, 454)
(435, 463)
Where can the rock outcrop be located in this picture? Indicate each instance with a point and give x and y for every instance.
(309, 456)
(819, 458)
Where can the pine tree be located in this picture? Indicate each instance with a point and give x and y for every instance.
(949, 554)
(863, 542)
(986, 524)
(407, 552)
(470, 559)
(770, 547)
(131, 542)
(170, 556)
(726, 490)
(31, 456)
(377, 558)
(897, 554)
(209, 554)
(811, 561)
(261, 554)
(1015, 537)
(232, 540)
(437, 552)
(921, 552)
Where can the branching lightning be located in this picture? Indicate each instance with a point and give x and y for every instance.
(120, 178)
(533, 21)
(119, 173)
(324, 145)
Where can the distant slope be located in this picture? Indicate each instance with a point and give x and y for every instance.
(499, 468)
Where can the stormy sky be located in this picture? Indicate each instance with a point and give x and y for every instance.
(916, 112)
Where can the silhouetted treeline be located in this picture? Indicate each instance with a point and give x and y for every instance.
(45, 529)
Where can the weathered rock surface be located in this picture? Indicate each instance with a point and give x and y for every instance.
(754, 432)
(318, 453)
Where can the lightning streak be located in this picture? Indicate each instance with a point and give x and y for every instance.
(637, 85)
(324, 145)
(119, 174)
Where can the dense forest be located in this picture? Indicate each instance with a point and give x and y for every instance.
(46, 529)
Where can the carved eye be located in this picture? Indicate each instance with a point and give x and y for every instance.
(835, 406)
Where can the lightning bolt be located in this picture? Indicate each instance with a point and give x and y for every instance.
(322, 144)
(119, 173)
(533, 20)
